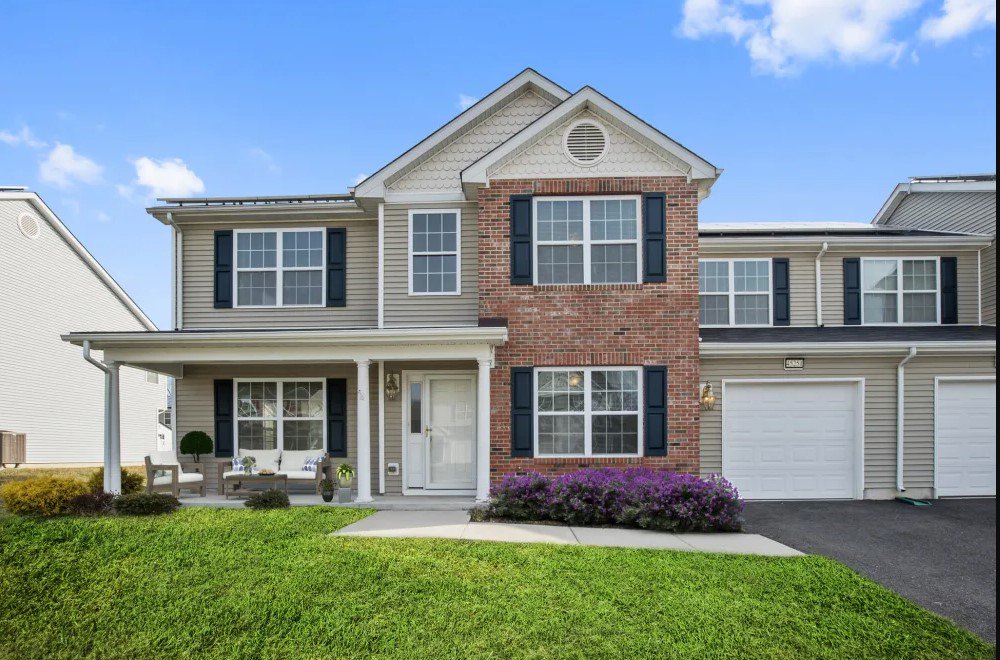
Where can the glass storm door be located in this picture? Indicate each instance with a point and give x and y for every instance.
(450, 429)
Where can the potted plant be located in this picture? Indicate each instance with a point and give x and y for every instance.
(248, 463)
(326, 489)
(196, 443)
(345, 475)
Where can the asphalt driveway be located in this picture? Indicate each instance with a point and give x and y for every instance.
(942, 557)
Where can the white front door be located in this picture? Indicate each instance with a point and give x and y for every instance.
(450, 420)
(791, 440)
(965, 442)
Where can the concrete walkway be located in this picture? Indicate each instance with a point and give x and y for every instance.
(456, 525)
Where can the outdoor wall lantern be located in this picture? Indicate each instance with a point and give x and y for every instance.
(391, 386)
(707, 397)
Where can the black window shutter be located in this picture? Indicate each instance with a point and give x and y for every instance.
(336, 416)
(852, 291)
(336, 267)
(520, 240)
(224, 418)
(223, 297)
(522, 411)
(654, 235)
(780, 289)
(949, 290)
(655, 424)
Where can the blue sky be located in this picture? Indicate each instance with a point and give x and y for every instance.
(814, 109)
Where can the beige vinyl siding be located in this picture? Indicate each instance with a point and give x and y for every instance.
(47, 390)
(404, 310)
(989, 278)
(833, 280)
(362, 282)
(801, 274)
(879, 374)
(918, 461)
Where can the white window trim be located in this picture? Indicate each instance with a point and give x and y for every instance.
(587, 412)
(458, 253)
(278, 268)
(586, 242)
(732, 293)
(279, 418)
(899, 290)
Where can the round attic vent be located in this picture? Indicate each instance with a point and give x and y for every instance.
(586, 142)
(29, 225)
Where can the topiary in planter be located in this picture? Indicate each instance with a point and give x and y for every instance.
(146, 504)
(196, 443)
(268, 499)
(131, 482)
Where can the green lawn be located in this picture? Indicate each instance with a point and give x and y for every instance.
(235, 583)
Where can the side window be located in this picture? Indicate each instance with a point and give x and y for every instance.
(435, 252)
(734, 292)
(287, 276)
(898, 291)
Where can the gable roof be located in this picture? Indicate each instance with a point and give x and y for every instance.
(975, 183)
(374, 185)
(36, 201)
(588, 98)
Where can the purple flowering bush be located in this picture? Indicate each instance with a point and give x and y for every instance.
(632, 497)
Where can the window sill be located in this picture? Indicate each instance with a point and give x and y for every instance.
(582, 457)
(629, 286)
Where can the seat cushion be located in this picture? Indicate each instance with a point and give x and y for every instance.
(298, 474)
(183, 478)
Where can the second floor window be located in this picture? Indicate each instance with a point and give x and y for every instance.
(435, 252)
(899, 291)
(734, 292)
(276, 268)
(586, 240)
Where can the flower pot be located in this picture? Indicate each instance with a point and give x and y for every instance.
(327, 495)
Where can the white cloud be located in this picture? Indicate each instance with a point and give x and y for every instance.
(102, 217)
(166, 178)
(465, 101)
(958, 18)
(264, 159)
(23, 136)
(359, 178)
(63, 167)
(783, 36)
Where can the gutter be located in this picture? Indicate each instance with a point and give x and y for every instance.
(900, 414)
(819, 283)
(112, 450)
(726, 349)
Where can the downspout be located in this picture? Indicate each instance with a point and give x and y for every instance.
(110, 485)
(900, 413)
(819, 284)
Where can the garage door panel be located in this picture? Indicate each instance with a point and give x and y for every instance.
(965, 438)
(790, 440)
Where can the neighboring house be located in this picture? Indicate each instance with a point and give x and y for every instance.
(955, 203)
(50, 284)
(520, 291)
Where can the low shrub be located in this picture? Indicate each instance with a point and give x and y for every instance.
(131, 482)
(95, 503)
(268, 499)
(42, 496)
(633, 497)
(146, 504)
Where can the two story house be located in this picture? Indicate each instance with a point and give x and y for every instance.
(521, 290)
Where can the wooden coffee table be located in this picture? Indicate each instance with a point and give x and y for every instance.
(241, 479)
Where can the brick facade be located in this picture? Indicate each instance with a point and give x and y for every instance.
(593, 325)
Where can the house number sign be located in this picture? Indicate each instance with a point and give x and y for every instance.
(795, 363)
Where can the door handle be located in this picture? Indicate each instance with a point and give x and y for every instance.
(427, 431)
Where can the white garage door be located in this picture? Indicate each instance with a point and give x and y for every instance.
(965, 422)
(791, 440)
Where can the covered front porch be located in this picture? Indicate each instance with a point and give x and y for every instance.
(408, 408)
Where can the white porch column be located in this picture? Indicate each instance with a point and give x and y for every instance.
(112, 436)
(364, 435)
(483, 431)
